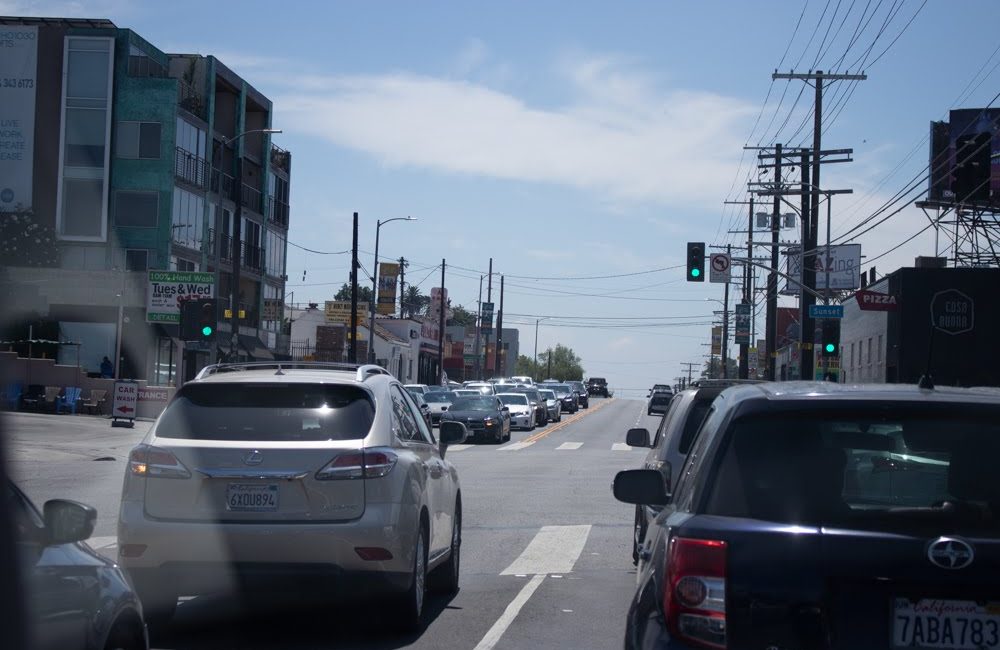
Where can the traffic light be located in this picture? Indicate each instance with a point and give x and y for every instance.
(696, 262)
(198, 319)
(830, 342)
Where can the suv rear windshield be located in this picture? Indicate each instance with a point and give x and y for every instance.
(284, 412)
(877, 471)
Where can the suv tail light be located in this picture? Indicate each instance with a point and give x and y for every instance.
(694, 598)
(370, 463)
(155, 462)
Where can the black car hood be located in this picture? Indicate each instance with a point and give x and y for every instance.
(470, 415)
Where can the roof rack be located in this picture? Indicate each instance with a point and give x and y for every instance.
(362, 371)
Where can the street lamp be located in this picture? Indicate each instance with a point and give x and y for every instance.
(234, 294)
(374, 302)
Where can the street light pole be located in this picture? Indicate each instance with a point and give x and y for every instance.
(237, 242)
(537, 321)
(374, 300)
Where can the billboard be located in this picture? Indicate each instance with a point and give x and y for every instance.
(388, 276)
(962, 168)
(717, 340)
(18, 67)
(166, 290)
(844, 263)
(339, 311)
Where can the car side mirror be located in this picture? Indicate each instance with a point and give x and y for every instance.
(640, 487)
(68, 521)
(506, 408)
(451, 433)
(638, 437)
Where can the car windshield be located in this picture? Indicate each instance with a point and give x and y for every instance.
(511, 398)
(871, 471)
(262, 412)
(547, 394)
(440, 397)
(561, 390)
(474, 404)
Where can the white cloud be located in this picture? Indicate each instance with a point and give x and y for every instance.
(622, 137)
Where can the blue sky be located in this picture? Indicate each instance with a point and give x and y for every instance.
(576, 139)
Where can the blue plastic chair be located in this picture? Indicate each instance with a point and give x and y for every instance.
(12, 396)
(67, 401)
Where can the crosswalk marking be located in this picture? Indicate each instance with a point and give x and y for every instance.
(569, 446)
(554, 549)
(620, 446)
(458, 447)
(515, 446)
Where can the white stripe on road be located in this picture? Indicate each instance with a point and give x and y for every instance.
(102, 542)
(515, 446)
(569, 445)
(513, 609)
(620, 446)
(458, 447)
(554, 549)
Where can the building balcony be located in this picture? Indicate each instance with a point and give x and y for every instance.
(277, 212)
(252, 199)
(191, 100)
(143, 66)
(223, 184)
(190, 168)
(281, 159)
(253, 257)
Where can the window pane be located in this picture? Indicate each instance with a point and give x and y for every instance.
(136, 259)
(81, 205)
(138, 209)
(149, 140)
(88, 75)
(96, 45)
(127, 140)
(85, 137)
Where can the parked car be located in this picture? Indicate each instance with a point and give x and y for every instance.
(597, 386)
(485, 416)
(659, 402)
(76, 598)
(439, 401)
(825, 515)
(284, 475)
(568, 398)
(522, 411)
(671, 444)
(552, 404)
(581, 390)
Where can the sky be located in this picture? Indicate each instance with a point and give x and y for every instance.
(580, 145)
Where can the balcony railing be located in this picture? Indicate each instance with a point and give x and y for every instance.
(277, 212)
(189, 167)
(252, 199)
(223, 184)
(253, 257)
(281, 158)
(143, 66)
(191, 100)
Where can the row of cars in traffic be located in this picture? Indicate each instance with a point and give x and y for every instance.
(313, 480)
(491, 409)
(817, 515)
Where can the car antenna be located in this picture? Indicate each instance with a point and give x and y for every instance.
(926, 380)
(279, 372)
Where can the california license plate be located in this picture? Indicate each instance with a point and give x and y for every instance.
(931, 623)
(246, 497)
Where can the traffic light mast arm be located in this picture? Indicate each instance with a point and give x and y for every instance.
(784, 275)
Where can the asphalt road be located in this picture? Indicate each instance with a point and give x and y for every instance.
(546, 553)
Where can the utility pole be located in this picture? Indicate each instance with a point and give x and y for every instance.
(486, 333)
(748, 275)
(443, 308)
(499, 345)
(772, 277)
(353, 343)
(402, 287)
(690, 369)
(725, 323)
(479, 328)
(548, 357)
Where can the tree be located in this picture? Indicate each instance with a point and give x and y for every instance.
(713, 368)
(461, 316)
(526, 367)
(364, 293)
(565, 365)
(414, 302)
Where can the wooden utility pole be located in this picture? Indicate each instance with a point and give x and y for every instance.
(353, 343)
(402, 287)
(499, 345)
(443, 307)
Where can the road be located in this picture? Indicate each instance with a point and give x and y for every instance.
(546, 553)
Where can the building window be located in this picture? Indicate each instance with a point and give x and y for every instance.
(251, 240)
(190, 138)
(187, 219)
(138, 140)
(137, 209)
(136, 259)
(869, 350)
(275, 254)
(181, 264)
(82, 198)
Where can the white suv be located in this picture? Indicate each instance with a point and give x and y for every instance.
(323, 478)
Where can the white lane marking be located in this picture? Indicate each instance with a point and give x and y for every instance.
(515, 446)
(620, 446)
(493, 635)
(569, 446)
(102, 542)
(458, 447)
(554, 549)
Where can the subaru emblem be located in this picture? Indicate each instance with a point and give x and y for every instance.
(950, 553)
(253, 458)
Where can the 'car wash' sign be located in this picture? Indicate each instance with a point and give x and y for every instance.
(952, 312)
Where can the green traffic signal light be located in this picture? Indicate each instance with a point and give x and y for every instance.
(695, 273)
(830, 347)
(206, 331)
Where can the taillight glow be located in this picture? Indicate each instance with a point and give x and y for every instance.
(694, 598)
(154, 462)
(371, 463)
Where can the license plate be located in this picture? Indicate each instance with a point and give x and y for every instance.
(243, 497)
(931, 623)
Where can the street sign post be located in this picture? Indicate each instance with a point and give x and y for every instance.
(720, 267)
(826, 311)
